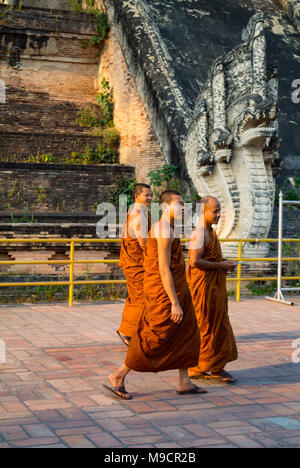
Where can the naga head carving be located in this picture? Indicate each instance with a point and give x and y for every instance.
(256, 120)
(233, 140)
(294, 12)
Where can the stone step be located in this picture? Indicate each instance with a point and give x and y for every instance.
(18, 145)
(43, 113)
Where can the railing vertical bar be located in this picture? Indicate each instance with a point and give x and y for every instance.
(239, 273)
(71, 286)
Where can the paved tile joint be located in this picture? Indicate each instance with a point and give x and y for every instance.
(57, 359)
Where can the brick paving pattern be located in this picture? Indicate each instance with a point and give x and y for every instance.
(51, 392)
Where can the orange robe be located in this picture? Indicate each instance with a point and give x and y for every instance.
(131, 260)
(209, 293)
(160, 344)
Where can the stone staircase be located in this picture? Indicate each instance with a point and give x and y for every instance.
(49, 68)
(32, 123)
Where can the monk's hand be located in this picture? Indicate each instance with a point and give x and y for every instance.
(233, 265)
(177, 313)
(227, 265)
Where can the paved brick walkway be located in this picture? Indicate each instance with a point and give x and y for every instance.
(51, 391)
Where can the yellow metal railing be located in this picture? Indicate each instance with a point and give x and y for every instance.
(72, 262)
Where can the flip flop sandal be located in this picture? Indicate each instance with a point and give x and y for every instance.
(125, 339)
(192, 391)
(120, 392)
(225, 377)
(201, 376)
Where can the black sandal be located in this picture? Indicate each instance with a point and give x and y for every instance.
(224, 377)
(201, 376)
(193, 390)
(120, 392)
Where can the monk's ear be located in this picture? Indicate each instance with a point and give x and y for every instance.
(164, 207)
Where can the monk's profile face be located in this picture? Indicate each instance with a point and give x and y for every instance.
(176, 207)
(212, 211)
(145, 197)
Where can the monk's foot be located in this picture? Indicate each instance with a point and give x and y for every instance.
(223, 377)
(185, 385)
(192, 390)
(124, 338)
(116, 380)
(117, 387)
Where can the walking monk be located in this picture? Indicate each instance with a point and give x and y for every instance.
(134, 237)
(207, 282)
(167, 335)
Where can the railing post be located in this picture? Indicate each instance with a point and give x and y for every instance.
(239, 273)
(71, 286)
(279, 273)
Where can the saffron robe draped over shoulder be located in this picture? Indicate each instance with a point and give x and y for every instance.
(131, 260)
(209, 293)
(160, 344)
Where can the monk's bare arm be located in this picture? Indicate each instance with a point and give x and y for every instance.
(164, 256)
(197, 261)
(138, 228)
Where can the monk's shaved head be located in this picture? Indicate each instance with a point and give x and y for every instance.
(138, 188)
(167, 196)
(212, 209)
(208, 199)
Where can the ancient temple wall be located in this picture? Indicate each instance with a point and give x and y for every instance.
(50, 75)
(53, 4)
(139, 146)
(45, 188)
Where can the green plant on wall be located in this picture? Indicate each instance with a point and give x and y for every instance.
(3, 14)
(163, 179)
(90, 117)
(25, 218)
(164, 174)
(261, 288)
(101, 21)
(41, 193)
(290, 189)
(110, 135)
(100, 119)
(106, 103)
(14, 196)
(100, 155)
(76, 6)
(166, 178)
(124, 186)
(101, 115)
(40, 158)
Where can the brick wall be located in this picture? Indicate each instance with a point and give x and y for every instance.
(49, 68)
(51, 188)
(51, 75)
(139, 146)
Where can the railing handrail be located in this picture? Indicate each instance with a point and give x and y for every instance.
(72, 241)
(110, 240)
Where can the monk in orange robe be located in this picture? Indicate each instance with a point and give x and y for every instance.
(134, 237)
(206, 277)
(167, 335)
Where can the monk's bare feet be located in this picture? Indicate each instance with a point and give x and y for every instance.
(117, 386)
(115, 380)
(186, 386)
